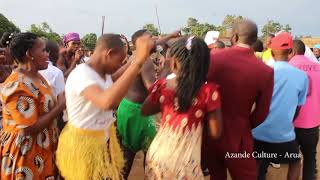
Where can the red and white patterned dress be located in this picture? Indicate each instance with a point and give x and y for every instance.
(175, 152)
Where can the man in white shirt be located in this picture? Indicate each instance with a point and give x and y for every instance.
(52, 74)
(55, 77)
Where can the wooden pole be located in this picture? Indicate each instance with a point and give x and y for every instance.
(158, 19)
(102, 30)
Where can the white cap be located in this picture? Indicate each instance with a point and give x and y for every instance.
(211, 37)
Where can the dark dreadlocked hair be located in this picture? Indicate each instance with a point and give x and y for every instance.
(20, 44)
(194, 68)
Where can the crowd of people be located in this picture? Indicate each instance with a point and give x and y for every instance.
(193, 106)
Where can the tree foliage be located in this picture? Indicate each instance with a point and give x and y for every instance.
(230, 20)
(272, 27)
(195, 28)
(228, 23)
(45, 31)
(152, 29)
(7, 26)
(89, 40)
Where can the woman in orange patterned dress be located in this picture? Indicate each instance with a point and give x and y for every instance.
(29, 135)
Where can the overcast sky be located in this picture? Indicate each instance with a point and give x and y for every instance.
(127, 16)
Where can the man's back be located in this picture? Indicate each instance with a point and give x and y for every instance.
(244, 81)
(309, 115)
(289, 92)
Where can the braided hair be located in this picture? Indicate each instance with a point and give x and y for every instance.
(20, 44)
(193, 55)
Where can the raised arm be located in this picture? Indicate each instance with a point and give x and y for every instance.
(111, 97)
(119, 73)
(166, 38)
(76, 60)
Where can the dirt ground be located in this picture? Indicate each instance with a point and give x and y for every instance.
(273, 174)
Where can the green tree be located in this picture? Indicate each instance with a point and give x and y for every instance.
(45, 31)
(230, 20)
(272, 27)
(198, 29)
(191, 23)
(152, 29)
(228, 23)
(89, 40)
(287, 28)
(7, 26)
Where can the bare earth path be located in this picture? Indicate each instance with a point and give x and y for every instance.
(273, 174)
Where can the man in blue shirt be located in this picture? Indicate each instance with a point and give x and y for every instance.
(275, 138)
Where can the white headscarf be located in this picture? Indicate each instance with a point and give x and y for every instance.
(211, 37)
(310, 54)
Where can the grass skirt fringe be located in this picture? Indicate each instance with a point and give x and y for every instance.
(84, 154)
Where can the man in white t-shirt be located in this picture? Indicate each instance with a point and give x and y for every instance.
(54, 75)
(55, 78)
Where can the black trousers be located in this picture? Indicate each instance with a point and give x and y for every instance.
(277, 154)
(308, 141)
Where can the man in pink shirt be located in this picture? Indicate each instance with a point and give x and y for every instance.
(308, 120)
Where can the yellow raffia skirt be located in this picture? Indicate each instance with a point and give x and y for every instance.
(84, 154)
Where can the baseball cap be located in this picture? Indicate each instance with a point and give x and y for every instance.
(282, 41)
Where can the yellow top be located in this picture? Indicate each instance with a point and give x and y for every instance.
(266, 56)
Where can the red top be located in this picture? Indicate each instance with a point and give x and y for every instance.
(207, 100)
(243, 81)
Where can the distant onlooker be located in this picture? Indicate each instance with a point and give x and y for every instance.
(211, 38)
(52, 74)
(316, 51)
(266, 56)
(219, 45)
(70, 56)
(6, 60)
(258, 48)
